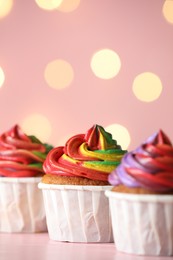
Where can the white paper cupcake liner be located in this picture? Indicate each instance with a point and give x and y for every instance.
(21, 206)
(142, 224)
(77, 213)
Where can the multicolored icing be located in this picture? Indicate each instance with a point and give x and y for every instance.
(21, 155)
(92, 155)
(149, 166)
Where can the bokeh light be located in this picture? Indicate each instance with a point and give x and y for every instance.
(168, 10)
(5, 7)
(48, 4)
(68, 5)
(105, 64)
(2, 77)
(120, 134)
(58, 74)
(147, 87)
(38, 125)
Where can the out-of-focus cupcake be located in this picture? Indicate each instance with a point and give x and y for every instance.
(76, 177)
(21, 202)
(141, 200)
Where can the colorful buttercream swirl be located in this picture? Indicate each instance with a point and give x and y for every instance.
(92, 155)
(21, 155)
(150, 166)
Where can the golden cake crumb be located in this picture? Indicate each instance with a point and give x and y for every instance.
(68, 180)
(137, 190)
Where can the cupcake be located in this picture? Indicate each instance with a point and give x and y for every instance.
(21, 202)
(76, 177)
(141, 200)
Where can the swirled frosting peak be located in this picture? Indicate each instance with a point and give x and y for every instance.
(149, 166)
(92, 155)
(21, 155)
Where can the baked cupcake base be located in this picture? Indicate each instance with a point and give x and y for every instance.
(68, 180)
(21, 205)
(142, 223)
(137, 190)
(77, 213)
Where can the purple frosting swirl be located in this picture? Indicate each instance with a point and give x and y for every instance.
(149, 166)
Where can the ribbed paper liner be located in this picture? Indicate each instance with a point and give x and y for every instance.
(77, 213)
(142, 224)
(21, 206)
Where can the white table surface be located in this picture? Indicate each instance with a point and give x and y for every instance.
(39, 246)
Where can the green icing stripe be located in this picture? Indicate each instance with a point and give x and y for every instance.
(39, 154)
(34, 139)
(48, 147)
(37, 165)
(101, 163)
(108, 136)
(112, 151)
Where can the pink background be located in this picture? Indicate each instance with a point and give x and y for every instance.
(31, 37)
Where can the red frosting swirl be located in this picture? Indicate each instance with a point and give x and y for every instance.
(21, 155)
(92, 155)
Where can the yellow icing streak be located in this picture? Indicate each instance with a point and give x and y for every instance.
(85, 152)
(102, 142)
(101, 156)
(69, 159)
